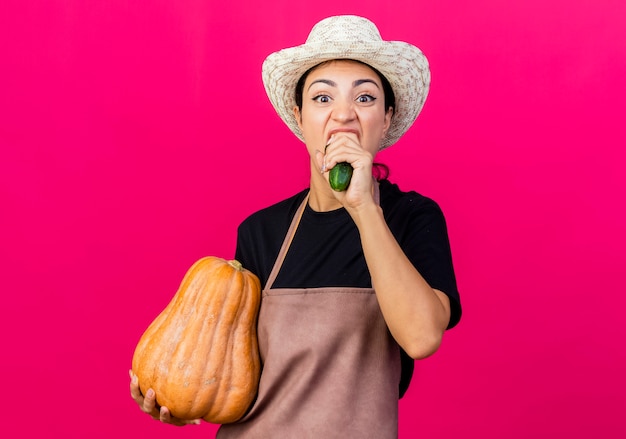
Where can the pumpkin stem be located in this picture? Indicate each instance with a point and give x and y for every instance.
(236, 264)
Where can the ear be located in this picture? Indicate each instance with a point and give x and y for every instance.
(298, 116)
(388, 116)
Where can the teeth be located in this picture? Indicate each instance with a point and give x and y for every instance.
(328, 142)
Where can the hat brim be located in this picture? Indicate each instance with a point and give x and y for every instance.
(402, 64)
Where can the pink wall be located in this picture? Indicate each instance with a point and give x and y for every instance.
(136, 135)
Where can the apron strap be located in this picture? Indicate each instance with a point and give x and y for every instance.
(286, 243)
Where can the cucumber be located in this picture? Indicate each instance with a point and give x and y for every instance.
(339, 177)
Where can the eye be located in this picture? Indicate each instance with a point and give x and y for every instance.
(322, 99)
(365, 98)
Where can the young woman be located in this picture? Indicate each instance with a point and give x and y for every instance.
(356, 283)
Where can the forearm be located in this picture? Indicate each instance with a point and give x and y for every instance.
(416, 314)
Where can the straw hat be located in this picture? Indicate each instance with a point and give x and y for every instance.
(355, 38)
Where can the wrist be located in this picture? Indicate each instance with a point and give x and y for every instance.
(367, 214)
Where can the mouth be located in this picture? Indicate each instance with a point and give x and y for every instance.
(331, 133)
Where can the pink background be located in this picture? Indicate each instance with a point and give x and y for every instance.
(136, 135)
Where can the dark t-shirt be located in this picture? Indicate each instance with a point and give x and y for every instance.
(326, 249)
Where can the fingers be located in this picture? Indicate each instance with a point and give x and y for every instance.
(342, 147)
(166, 417)
(135, 393)
(319, 157)
(148, 404)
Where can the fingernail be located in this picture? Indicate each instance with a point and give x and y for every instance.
(150, 393)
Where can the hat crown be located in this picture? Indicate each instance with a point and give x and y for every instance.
(344, 28)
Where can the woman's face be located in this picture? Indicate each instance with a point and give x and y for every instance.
(343, 96)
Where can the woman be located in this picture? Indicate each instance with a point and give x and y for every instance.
(357, 283)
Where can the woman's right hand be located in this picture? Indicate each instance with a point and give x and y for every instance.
(148, 404)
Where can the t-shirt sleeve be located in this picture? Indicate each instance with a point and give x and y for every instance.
(427, 246)
(246, 251)
(242, 249)
(260, 236)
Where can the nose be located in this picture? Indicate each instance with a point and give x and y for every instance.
(344, 110)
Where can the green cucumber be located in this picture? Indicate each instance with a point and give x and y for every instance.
(339, 177)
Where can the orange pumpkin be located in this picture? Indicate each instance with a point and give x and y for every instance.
(200, 355)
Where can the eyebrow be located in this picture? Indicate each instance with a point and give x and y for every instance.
(364, 81)
(334, 84)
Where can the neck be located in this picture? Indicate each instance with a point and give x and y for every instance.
(321, 198)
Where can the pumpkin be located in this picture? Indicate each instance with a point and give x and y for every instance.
(200, 355)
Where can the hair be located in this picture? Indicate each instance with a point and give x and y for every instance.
(380, 171)
(390, 97)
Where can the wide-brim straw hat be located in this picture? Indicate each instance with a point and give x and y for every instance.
(355, 38)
